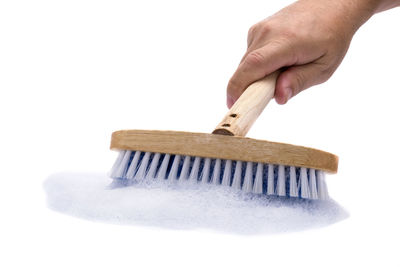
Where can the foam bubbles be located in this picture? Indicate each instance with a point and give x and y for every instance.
(188, 206)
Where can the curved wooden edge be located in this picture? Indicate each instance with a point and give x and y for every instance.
(223, 147)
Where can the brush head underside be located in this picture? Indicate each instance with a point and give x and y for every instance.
(256, 178)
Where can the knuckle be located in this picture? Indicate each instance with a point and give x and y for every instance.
(252, 33)
(234, 90)
(283, 41)
(290, 35)
(300, 81)
(328, 68)
(265, 29)
(325, 72)
(254, 58)
(252, 30)
(287, 49)
(259, 29)
(233, 86)
(328, 72)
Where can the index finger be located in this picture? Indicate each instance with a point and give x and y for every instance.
(256, 65)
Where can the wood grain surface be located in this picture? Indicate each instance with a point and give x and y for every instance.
(248, 107)
(223, 147)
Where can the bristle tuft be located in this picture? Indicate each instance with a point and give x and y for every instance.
(281, 183)
(253, 178)
(162, 172)
(216, 171)
(184, 175)
(294, 192)
(237, 176)
(248, 178)
(173, 173)
(257, 189)
(270, 180)
(206, 171)
(226, 178)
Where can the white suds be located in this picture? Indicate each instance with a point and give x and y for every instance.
(184, 206)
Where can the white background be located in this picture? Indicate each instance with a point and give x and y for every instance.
(71, 72)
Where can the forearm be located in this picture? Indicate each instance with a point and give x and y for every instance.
(353, 13)
(387, 4)
(347, 15)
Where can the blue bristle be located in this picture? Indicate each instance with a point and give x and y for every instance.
(265, 180)
(162, 156)
(243, 173)
(145, 163)
(171, 160)
(287, 177)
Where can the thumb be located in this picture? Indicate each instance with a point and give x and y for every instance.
(298, 78)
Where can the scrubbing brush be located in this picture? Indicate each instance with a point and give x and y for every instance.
(226, 157)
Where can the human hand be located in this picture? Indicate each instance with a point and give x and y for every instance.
(306, 40)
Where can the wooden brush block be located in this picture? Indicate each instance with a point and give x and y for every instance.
(223, 147)
(227, 140)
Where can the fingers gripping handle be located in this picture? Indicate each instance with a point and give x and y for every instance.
(248, 107)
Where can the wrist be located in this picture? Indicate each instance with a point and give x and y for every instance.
(347, 15)
(361, 11)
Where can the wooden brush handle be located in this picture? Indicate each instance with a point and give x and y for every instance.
(248, 107)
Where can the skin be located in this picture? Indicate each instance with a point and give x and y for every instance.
(306, 40)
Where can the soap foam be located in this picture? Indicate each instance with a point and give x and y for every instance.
(184, 206)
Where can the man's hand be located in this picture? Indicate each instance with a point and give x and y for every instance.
(306, 40)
